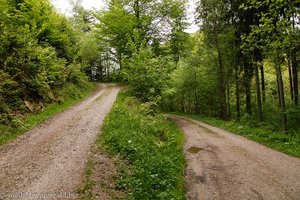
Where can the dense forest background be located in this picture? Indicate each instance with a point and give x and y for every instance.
(241, 65)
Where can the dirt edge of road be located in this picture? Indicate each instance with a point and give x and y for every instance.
(101, 176)
(225, 166)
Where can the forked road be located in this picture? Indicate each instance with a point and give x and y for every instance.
(50, 159)
(223, 166)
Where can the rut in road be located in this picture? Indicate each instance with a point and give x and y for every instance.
(51, 158)
(224, 166)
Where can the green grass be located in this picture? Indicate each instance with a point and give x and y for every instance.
(86, 190)
(289, 144)
(71, 95)
(152, 147)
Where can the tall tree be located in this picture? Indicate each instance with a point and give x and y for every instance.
(275, 26)
(212, 14)
(153, 22)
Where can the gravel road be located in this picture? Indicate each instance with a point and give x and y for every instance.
(49, 161)
(224, 166)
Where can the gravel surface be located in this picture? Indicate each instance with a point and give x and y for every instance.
(49, 161)
(224, 166)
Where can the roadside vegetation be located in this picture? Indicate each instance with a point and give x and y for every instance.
(242, 63)
(69, 96)
(150, 144)
(241, 66)
(41, 65)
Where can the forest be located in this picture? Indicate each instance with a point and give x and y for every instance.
(241, 65)
(133, 66)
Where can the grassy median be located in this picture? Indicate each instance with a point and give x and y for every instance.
(150, 144)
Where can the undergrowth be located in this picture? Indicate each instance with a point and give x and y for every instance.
(150, 144)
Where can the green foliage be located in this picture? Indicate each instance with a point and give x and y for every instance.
(155, 22)
(193, 83)
(116, 26)
(75, 75)
(275, 31)
(237, 40)
(37, 55)
(151, 144)
(146, 74)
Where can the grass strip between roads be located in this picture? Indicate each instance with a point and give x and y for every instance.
(152, 147)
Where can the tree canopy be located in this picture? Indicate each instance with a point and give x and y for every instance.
(242, 64)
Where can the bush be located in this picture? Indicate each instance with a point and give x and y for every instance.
(9, 96)
(75, 75)
(146, 74)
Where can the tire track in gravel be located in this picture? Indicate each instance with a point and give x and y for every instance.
(224, 166)
(51, 158)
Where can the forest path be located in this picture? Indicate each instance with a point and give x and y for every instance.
(224, 166)
(51, 158)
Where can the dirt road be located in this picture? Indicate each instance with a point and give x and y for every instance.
(49, 160)
(224, 166)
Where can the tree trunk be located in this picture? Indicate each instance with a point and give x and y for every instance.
(228, 102)
(290, 78)
(222, 87)
(100, 69)
(139, 27)
(107, 66)
(295, 78)
(281, 95)
(257, 83)
(248, 78)
(120, 60)
(237, 93)
(137, 11)
(294, 66)
(197, 104)
(263, 87)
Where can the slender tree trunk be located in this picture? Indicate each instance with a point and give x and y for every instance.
(137, 11)
(228, 101)
(237, 92)
(100, 69)
(139, 26)
(189, 102)
(295, 78)
(222, 83)
(107, 66)
(290, 78)
(257, 83)
(263, 87)
(294, 66)
(281, 95)
(248, 77)
(197, 105)
(120, 60)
